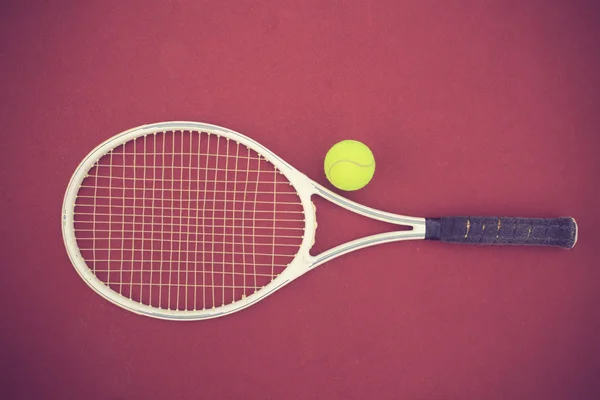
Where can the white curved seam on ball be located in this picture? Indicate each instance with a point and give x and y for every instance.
(350, 161)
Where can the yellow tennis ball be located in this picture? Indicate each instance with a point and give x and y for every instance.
(349, 165)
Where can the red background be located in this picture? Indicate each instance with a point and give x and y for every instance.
(470, 107)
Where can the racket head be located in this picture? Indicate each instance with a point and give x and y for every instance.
(143, 277)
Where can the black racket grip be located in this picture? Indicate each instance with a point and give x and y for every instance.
(558, 232)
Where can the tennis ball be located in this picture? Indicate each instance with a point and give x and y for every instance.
(349, 165)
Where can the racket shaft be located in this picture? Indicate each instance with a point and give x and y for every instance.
(557, 232)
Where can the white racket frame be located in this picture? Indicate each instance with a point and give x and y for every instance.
(301, 264)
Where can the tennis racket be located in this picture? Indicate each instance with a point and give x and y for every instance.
(190, 221)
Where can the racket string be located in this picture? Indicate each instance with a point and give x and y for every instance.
(187, 220)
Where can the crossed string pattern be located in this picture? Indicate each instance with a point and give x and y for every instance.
(187, 220)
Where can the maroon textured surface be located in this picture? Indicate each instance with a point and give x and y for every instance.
(480, 108)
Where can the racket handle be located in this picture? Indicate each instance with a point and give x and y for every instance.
(558, 232)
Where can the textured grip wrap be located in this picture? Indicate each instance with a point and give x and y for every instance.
(559, 232)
